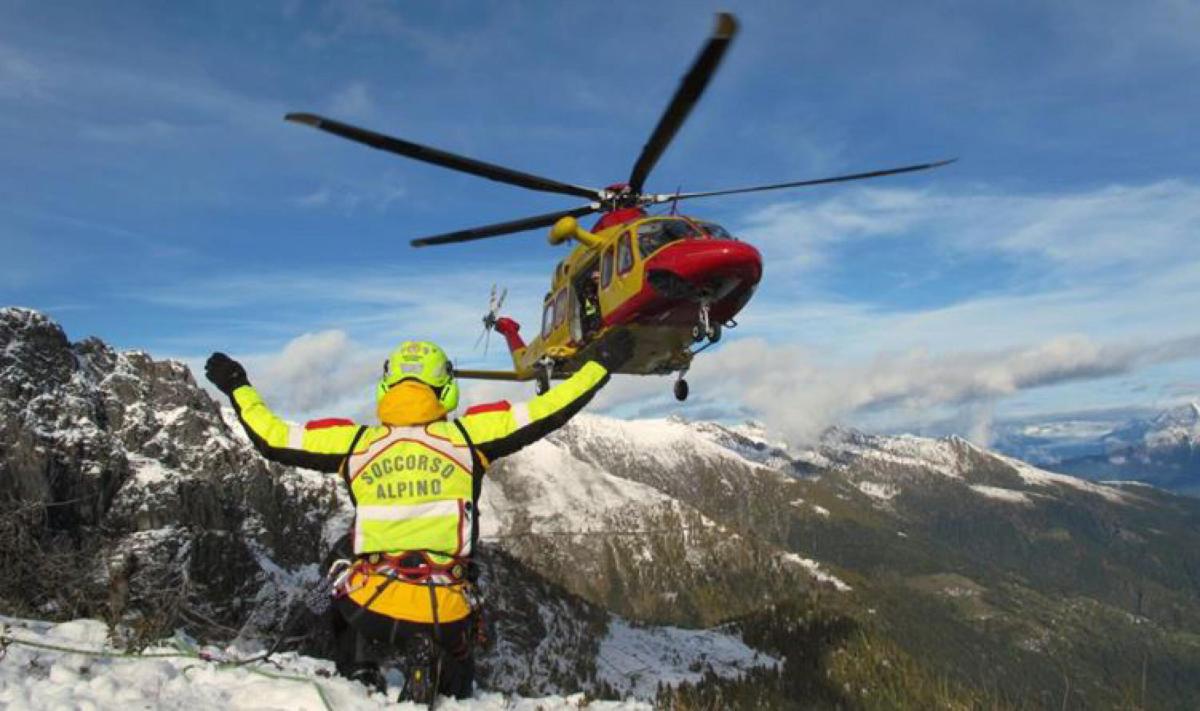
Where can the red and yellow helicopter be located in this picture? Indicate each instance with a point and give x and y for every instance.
(674, 281)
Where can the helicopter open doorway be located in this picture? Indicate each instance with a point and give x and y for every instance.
(587, 319)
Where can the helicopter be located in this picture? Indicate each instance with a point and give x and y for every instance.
(675, 282)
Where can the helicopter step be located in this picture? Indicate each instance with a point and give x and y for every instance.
(544, 371)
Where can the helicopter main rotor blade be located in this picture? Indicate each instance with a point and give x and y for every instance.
(686, 96)
(804, 183)
(442, 158)
(504, 228)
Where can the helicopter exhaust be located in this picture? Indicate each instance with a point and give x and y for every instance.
(568, 228)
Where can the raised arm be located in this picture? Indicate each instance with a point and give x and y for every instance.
(320, 444)
(499, 429)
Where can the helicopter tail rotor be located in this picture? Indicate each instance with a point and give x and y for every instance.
(495, 303)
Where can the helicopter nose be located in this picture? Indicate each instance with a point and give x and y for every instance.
(684, 268)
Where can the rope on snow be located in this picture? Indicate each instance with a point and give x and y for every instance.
(7, 639)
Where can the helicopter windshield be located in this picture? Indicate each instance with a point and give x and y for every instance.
(655, 234)
(715, 231)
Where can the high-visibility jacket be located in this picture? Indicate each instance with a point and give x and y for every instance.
(415, 485)
(414, 489)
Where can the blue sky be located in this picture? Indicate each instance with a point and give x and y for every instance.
(152, 195)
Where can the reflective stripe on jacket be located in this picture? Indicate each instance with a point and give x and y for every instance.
(497, 429)
(412, 492)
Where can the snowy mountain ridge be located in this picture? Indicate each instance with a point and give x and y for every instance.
(881, 465)
(610, 546)
(1174, 426)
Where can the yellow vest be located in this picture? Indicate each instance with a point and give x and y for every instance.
(412, 492)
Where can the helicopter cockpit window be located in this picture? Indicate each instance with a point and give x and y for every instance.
(560, 307)
(548, 319)
(715, 231)
(655, 234)
(624, 254)
(606, 268)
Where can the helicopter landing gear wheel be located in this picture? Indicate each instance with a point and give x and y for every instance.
(681, 386)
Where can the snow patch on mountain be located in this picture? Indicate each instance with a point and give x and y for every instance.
(815, 569)
(877, 490)
(638, 658)
(1042, 478)
(1001, 494)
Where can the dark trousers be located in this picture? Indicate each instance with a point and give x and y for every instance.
(363, 637)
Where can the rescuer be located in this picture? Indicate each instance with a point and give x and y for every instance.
(415, 480)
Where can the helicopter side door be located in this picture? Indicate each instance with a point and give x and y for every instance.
(626, 274)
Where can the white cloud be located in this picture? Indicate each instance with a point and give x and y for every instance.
(349, 199)
(316, 372)
(1113, 263)
(1076, 232)
(799, 393)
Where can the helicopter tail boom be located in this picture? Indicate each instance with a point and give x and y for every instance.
(510, 329)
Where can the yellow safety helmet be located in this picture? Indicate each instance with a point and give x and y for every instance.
(425, 362)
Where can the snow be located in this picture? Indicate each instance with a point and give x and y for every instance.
(876, 490)
(1040, 477)
(561, 493)
(821, 510)
(1128, 482)
(671, 442)
(995, 492)
(646, 656)
(939, 455)
(168, 418)
(32, 678)
(817, 572)
(150, 471)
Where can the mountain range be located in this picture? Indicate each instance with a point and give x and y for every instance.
(1162, 449)
(692, 563)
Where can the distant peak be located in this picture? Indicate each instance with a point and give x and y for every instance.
(1187, 414)
(22, 316)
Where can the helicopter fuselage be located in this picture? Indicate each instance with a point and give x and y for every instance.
(673, 280)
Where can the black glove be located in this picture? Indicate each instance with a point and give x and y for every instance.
(225, 372)
(615, 350)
